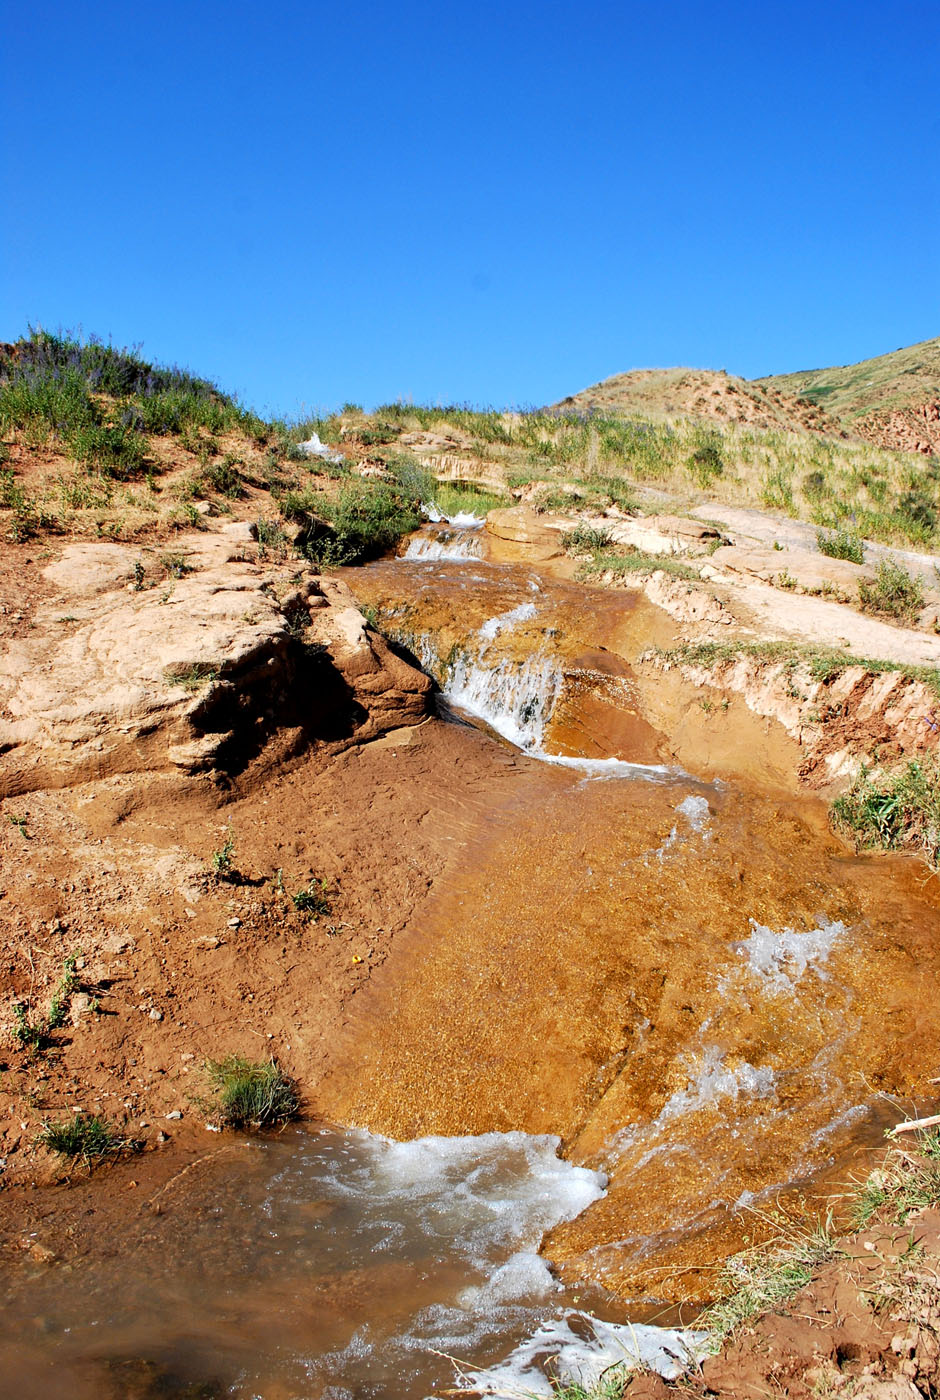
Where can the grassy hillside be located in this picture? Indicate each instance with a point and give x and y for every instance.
(96, 441)
(847, 392)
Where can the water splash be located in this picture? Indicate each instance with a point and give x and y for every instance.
(580, 1358)
(463, 520)
(779, 960)
(445, 546)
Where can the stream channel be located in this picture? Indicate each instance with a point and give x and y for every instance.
(694, 988)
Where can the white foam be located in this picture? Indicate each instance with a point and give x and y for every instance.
(491, 629)
(714, 1079)
(313, 447)
(779, 960)
(454, 547)
(578, 1360)
(463, 520)
(695, 810)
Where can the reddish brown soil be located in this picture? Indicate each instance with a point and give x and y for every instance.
(868, 1326)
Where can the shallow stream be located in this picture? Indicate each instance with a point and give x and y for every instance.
(694, 988)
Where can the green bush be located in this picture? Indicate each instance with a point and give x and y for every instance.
(895, 811)
(893, 593)
(367, 519)
(251, 1093)
(706, 462)
(841, 544)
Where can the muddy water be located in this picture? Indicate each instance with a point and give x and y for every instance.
(314, 1264)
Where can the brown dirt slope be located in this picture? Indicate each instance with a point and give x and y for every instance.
(892, 400)
(698, 393)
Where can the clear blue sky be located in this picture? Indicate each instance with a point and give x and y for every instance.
(493, 203)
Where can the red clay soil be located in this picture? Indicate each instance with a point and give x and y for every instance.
(867, 1326)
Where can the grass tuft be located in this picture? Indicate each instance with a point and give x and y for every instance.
(767, 1276)
(251, 1093)
(894, 811)
(84, 1136)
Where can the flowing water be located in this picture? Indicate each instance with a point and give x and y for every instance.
(691, 985)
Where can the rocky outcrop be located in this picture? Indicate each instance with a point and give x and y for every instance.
(193, 673)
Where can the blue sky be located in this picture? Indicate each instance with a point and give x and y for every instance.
(497, 203)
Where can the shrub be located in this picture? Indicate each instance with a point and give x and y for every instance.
(706, 462)
(841, 544)
(893, 592)
(894, 811)
(251, 1093)
(367, 519)
(585, 539)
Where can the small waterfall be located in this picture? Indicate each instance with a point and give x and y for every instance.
(448, 544)
(515, 698)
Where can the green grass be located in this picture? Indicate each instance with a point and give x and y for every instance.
(251, 1093)
(84, 1136)
(452, 498)
(766, 1277)
(907, 1180)
(193, 677)
(821, 663)
(893, 593)
(634, 561)
(894, 811)
(841, 544)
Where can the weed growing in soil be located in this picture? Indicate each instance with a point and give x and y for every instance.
(251, 1093)
(893, 593)
(841, 544)
(20, 824)
(223, 862)
(314, 900)
(34, 1035)
(894, 811)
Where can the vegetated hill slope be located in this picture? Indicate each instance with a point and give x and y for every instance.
(699, 393)
(892, 400)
